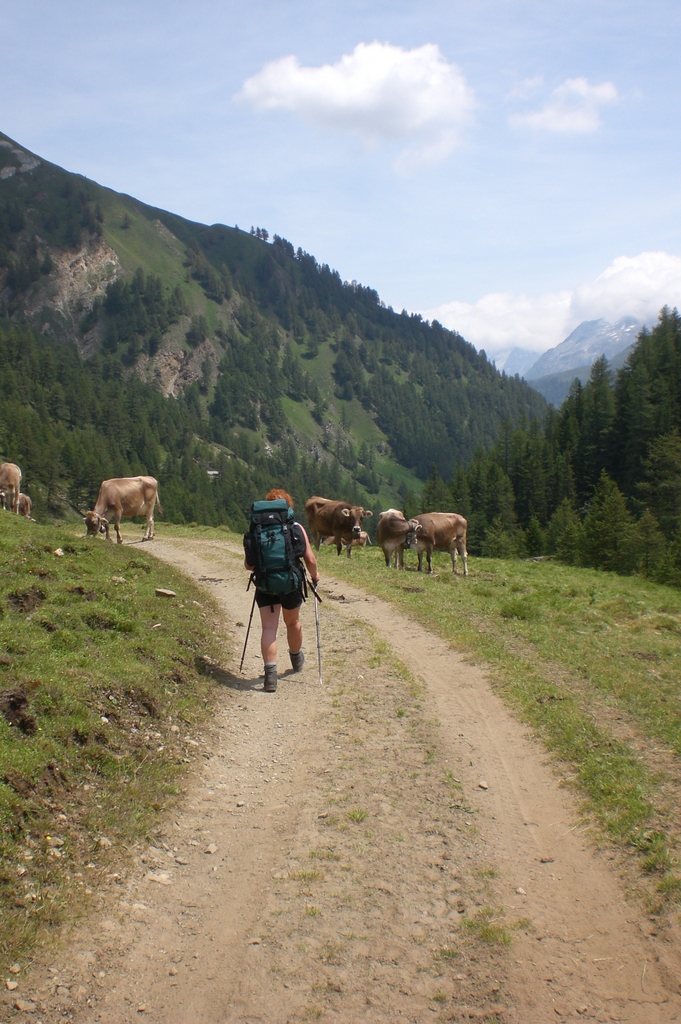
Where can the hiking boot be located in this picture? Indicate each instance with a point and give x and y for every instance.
(270, 678)
(297, 660)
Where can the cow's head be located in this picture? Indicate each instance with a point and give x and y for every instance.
(94, 523)
(414, 528)
(356, 514)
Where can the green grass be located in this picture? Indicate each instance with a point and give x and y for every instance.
(307, 875)
(112, 701)
(486, 926)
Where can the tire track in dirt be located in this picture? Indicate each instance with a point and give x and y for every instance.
(335, 856)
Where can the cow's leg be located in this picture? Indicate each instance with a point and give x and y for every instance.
(420, 556)
(316, 538)
(350, 549)
(399, 557)
(454, 565)
(429, 556)
(117, 527)
(149, 532)
(388, 557)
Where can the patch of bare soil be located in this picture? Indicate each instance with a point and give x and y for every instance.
(14, 709)
(27, 600)
(359, 851)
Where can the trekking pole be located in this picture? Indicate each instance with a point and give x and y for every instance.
(241, 666)
(317, 602)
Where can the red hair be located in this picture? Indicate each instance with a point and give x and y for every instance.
(278, 493)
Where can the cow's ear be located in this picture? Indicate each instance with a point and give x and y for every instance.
(368, 512)
(103, 521)
(346, 512)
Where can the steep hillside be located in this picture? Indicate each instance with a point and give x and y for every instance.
(273, 351)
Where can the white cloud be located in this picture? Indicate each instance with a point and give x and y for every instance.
(638, 285)
(631, 286)
(500, 321)
(380, 92)
(572, 107)
(525, 89)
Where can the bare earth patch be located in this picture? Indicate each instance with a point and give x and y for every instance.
(390, 846)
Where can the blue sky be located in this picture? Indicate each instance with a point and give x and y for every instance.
(510, 167)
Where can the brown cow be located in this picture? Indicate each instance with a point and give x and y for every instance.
(10, 484)
(440, 531)
(337, 519)
(391, 534)
(24, 506)
(124, 496)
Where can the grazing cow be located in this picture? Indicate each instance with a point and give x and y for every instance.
(440, 531)
(337, 519)
(24, 506)
(124, 496)
(10, 484)
(391, 533)
(357, 542)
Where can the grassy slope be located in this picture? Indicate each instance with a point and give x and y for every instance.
(115, 703)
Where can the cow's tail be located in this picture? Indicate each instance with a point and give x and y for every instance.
(158, 502)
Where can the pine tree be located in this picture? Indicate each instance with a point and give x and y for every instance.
(661, 488)
(609, 531)
(435, 496)
(534, 538)
(565, 534)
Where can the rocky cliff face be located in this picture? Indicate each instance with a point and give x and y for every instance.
(56, 304)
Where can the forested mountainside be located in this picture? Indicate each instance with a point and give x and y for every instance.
(242, 352)
(600, 483)
(70, 423)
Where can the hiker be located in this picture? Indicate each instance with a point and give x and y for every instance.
(274, 546)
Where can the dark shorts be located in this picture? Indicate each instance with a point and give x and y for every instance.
(288, 601)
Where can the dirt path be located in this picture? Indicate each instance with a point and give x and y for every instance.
(336, 856)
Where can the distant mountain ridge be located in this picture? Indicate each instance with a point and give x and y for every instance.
(555, 387)
(588, 342)
(518, 360)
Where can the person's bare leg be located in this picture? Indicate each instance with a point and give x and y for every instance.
(294, 635)
(294, 630)
(268, 638)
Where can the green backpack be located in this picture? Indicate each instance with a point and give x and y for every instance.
(274, 545)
